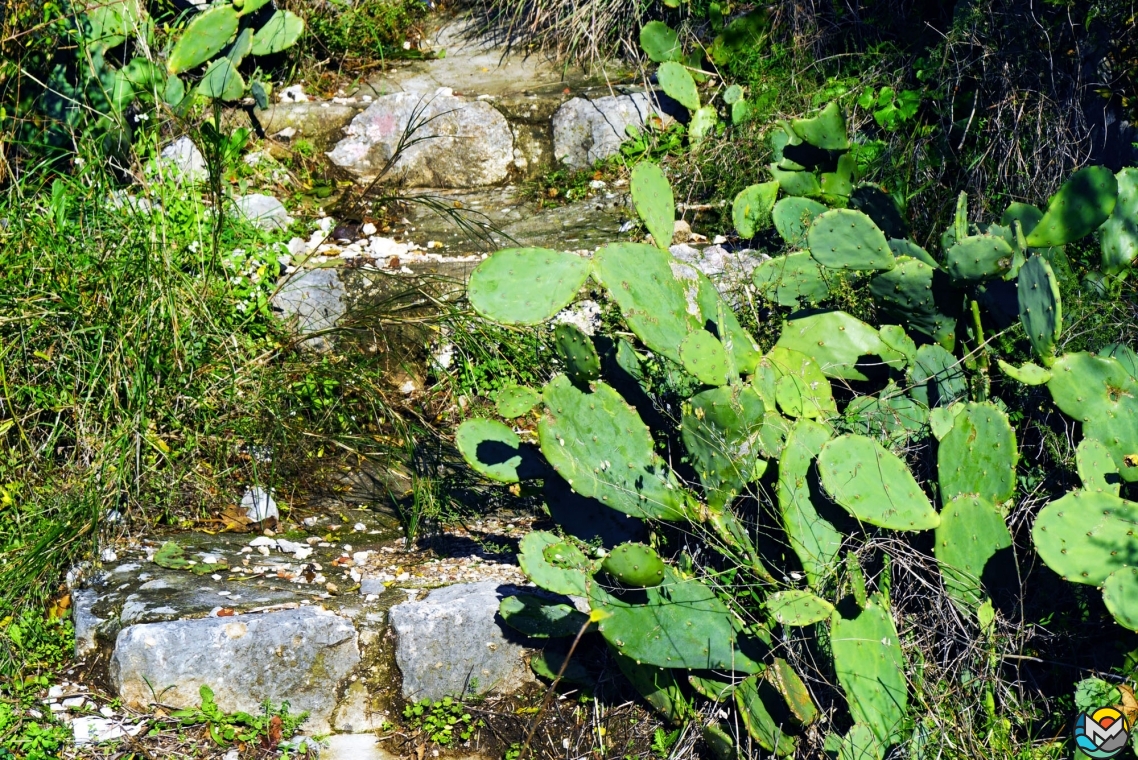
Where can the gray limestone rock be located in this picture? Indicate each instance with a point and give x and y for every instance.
(587, 131)
(185, 160)
(315, 300)
(263, 211)
(453, 643)
(295, 655)
(461, 143)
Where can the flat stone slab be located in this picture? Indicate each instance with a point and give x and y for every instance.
(295, 655)
(586, 131)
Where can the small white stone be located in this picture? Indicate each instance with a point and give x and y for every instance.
(368, 229)
(108, 555)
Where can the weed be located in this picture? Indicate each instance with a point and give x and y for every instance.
(663, 741)
(268, 729)
(357, 33)
(443, 722)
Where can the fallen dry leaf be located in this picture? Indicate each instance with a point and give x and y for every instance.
(226, 612)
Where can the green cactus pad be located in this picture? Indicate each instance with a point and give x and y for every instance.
(756, 699)
(555, 565)
(279, 33)
(1100, 393)
(978, 456)
(859, 743)
(658, 686)
(654, 202)
(1040, 307)
(718, 317)
(856, 578)
(721, 431)
(1120, 231)
(678, 84)
(222, 81)
(827, 130)
(793, 217)
(970, 533)
(792, 280)
(873, 485)
(978, 257)
(635, 565)
(936, 377)
(490, 448)
(526, 286)
(942, 419)
(796, 183)
(812, 537)
(905, 247)
(912, 292)
(1082, 204)
(732, 94)
(719, 742)
(801, 388)
(798, 608)
(682, 624)
(891, 417)
(871, 670)
(1124, 354)
(789, 684)
(741, 112)
(705, 358)
(751, 211)
(580, 358)
(1027, 373)
(547, 664)
(250, 6)
(702, 122)
(880, 207)
(516, 400)
(1096, 467)
(1027, 215)
(602, 448)
(1120, 593)
(540, 618)
(660, 42)
(839, 184)
(897, 339)
(837, 342)
(1086, 535)
(205, 36)
(845, 239)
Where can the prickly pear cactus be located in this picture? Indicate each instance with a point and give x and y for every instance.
(905, 247)
(1120, 593)
(555, 565)
(490, 448)
(540, 618)
(526, 286)
(222, 81)
(837, 341)
(652, 197)
(792, 280)
(792, 218)
(580, 358)
(979, 257)
(678, 84)
(801, 388)
(827, 130)
(796, 183)
(798, 608)
(789, 684)
(812, 537)
(1027, 373)
(1086, 535)
(704, 357)
(844, 239)
(1040, 307)
(871, 670)
(602, 448)
(970, 533)
(910, 292)
(205, 36)
(660, 42)
(978, 456)
(722, 431)
(1096, 467)
(859, 743)
(936, 377)
(1082, 204)
(756, 699)
(279, 33)
(874, 485)
(635, 565)
(516, 400)
(1120, 231)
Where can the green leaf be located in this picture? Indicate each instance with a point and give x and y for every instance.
(280, 33)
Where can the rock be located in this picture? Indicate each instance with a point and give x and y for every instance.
(354, 714)
(353, 747)
(453, 644)
(469, 143)
(185, 160)
(292, 94)
(681, 232)
(315, 300)
(88, 730)
(296, 655)
(728, 270)
(263, 211)
(584, 315)
(321, 124)
(587, 131)
(369, 586)
(259, 505)
(85, 621)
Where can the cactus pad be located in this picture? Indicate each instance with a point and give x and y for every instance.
(1124, 354)
(652, 197)
(800, 388)
(905, 247)
(705, 358)
(1040, 308)
(602, 448)
(859, 743)
(912, 292)
(751, 211)
(525, 286)
(582, 363)
(936, 377)
(789, 684)
(838, 184)
(978, 257)
(1120, 231)
(871, 670)
(1086, 535)
(516, 400)
(540, 618)
(678, 84)
(1027, 373)
(827, 130)
(719, 742)
(880, 207)
(836, 342)
(796, 183)
(222, 81)
(1100, 393)
(702, 122)
(658, 686)
(279, 33)
(721, 432)
(798, 608)
(1097, 469)
(970, 533)
(555, 565)
(942, 419)
(205, 36)
(1027, 215)
(873, 485)
(792, 280)
(890, 416)
(812, 537)
(845, 239)
(682, 624)
(756, 699)
(660, 42)
(1120, 593)
(1082, 204)
(635, 565)
(490, 448)
(978, 456)
(897, 339)
(793, 216)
